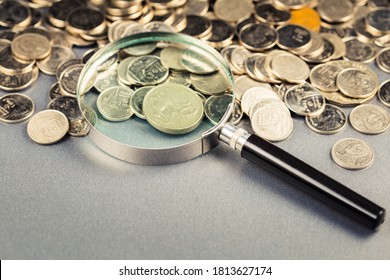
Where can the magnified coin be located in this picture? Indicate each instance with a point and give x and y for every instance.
(173, 109)
(114, 104)
(353, 154)
(47, 127)
(331, 121)
(137, 100)
(106, 80)
(216, 107)
(16, 108)
(171, 57)
(197, 64)
(147, 70)
(370, 119)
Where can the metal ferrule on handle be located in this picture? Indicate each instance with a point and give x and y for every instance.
(303, 176)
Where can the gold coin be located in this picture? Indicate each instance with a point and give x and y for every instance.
(31, 46)
(306, 17)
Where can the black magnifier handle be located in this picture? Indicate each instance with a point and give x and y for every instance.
(303, 176)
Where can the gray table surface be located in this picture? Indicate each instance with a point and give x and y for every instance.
(72, 201)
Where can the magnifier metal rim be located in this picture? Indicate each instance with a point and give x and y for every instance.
(154, 156)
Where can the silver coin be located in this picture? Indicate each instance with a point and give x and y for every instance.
(270, 14)
(359, 51)
(357, 83)
(137, 99)
(323, 77)
(305, 100)
(65, 64)
(238, 57)
(58, 55)
(383, 60)
(290, 68)
(370, 119)
(216, 107)
(15, 108)
(195, 63)
(384, 93)
(18, 81)
(69, 79)
(331, 121)
(243, 83)
(114, 104)
(79, 128)
(106, 79)
(293, 37)
(147, 70)
(68, 106)
(55, 91)
(353, 154)
(258, 37)
(47, 127)
(378, 21)
(325, 56)
(254, 94)
(213, 84)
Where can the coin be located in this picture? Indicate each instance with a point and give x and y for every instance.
(85, 20)
(59, 12)
(213, 84)
(305, 100)
(69, 79)
(65, 64)
(290, 68)
(18, 81)
(261, 72)
(105, 80)
(325, 56)
(232, 10)
(272, 121)
(293, 37)
(196, 7)
(67, 105)
(353, 154)
(238, 57)
(15, 108)
(10, 66)
(324, 76)
(383, 60)
(292, 4)
(55, 91)
(336, 10)
(114, 104)
(370, 119)
(267, 13)
(47, 127)
(340, 49)
(137, 99)
(384, 93)
(359, 51)
(171, 57)
(377, 22)
(79, 128)
(31, 46)
(58, 55)
(216, 106)
(198, 64)
(258, 37)
(243, 83)
(252, 95)
(173, 109)
(14, 14)
(181, 78)
(147, 70)
(222, 34)
(342, 100)
(357, 83)
(331, 121)
(197, 26)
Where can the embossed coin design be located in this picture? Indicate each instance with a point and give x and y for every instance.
(31, 46)
(15, 108)
(47, 127)
(352, 154)
(216, 106)
(305, 100)
(332, 120)
(114, 104)
(357, 83)
(147, 70)
(384, 93)
(370, 119)
(173, 109)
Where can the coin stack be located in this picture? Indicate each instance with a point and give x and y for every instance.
(307, 57)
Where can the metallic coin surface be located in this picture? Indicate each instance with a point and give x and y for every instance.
(317, 46)
(293, 37)
(331, 121)
(384, 93)
(181, 78)
(359, 51)
(15, 108)
(79, 128)
(258, 37)
(47, 127)
(171, 57)
(58, 55)
(55, 91)
(173, 109)
(147, 70)
(325, 56)
(213, 84)
(114, 104)
(370, 119)
(378, 21)
(340, 49)
(243, 83)
(268, 13)
(260, 71)
(305, 100)
(290, 68)
(272, 121)
(67, 105)
(85, 20)
(232, 10)
(14, 14)
(137, 100)
(252, 95)
(197, 26)
(292, 4)
(339, 99)
(324, 76)
(69, 79)
(222, 34)
(353, 154)
(106, 79)
(238, 57)
(383, 60)
(31, 46)
(122, 71)
(216, 107)
(195, 63)
(10, 66)
(196, 7)
(357, 83)
(336, 10)
(18, 82)
(65, 64)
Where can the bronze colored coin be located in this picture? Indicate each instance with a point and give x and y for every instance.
(15, 108)
(306, 17)
(357, 83)
(31, 46)
(232, 10)
(258, 37)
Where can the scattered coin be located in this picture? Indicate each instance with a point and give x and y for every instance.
(383, 60)
(384, 93)
(332, 120)
(15, 108)
(370, 119)
(357, 83)
(352, 154)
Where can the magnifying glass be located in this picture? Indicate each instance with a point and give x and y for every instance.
(173, 128)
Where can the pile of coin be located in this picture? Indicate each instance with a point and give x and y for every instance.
(288, 49)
